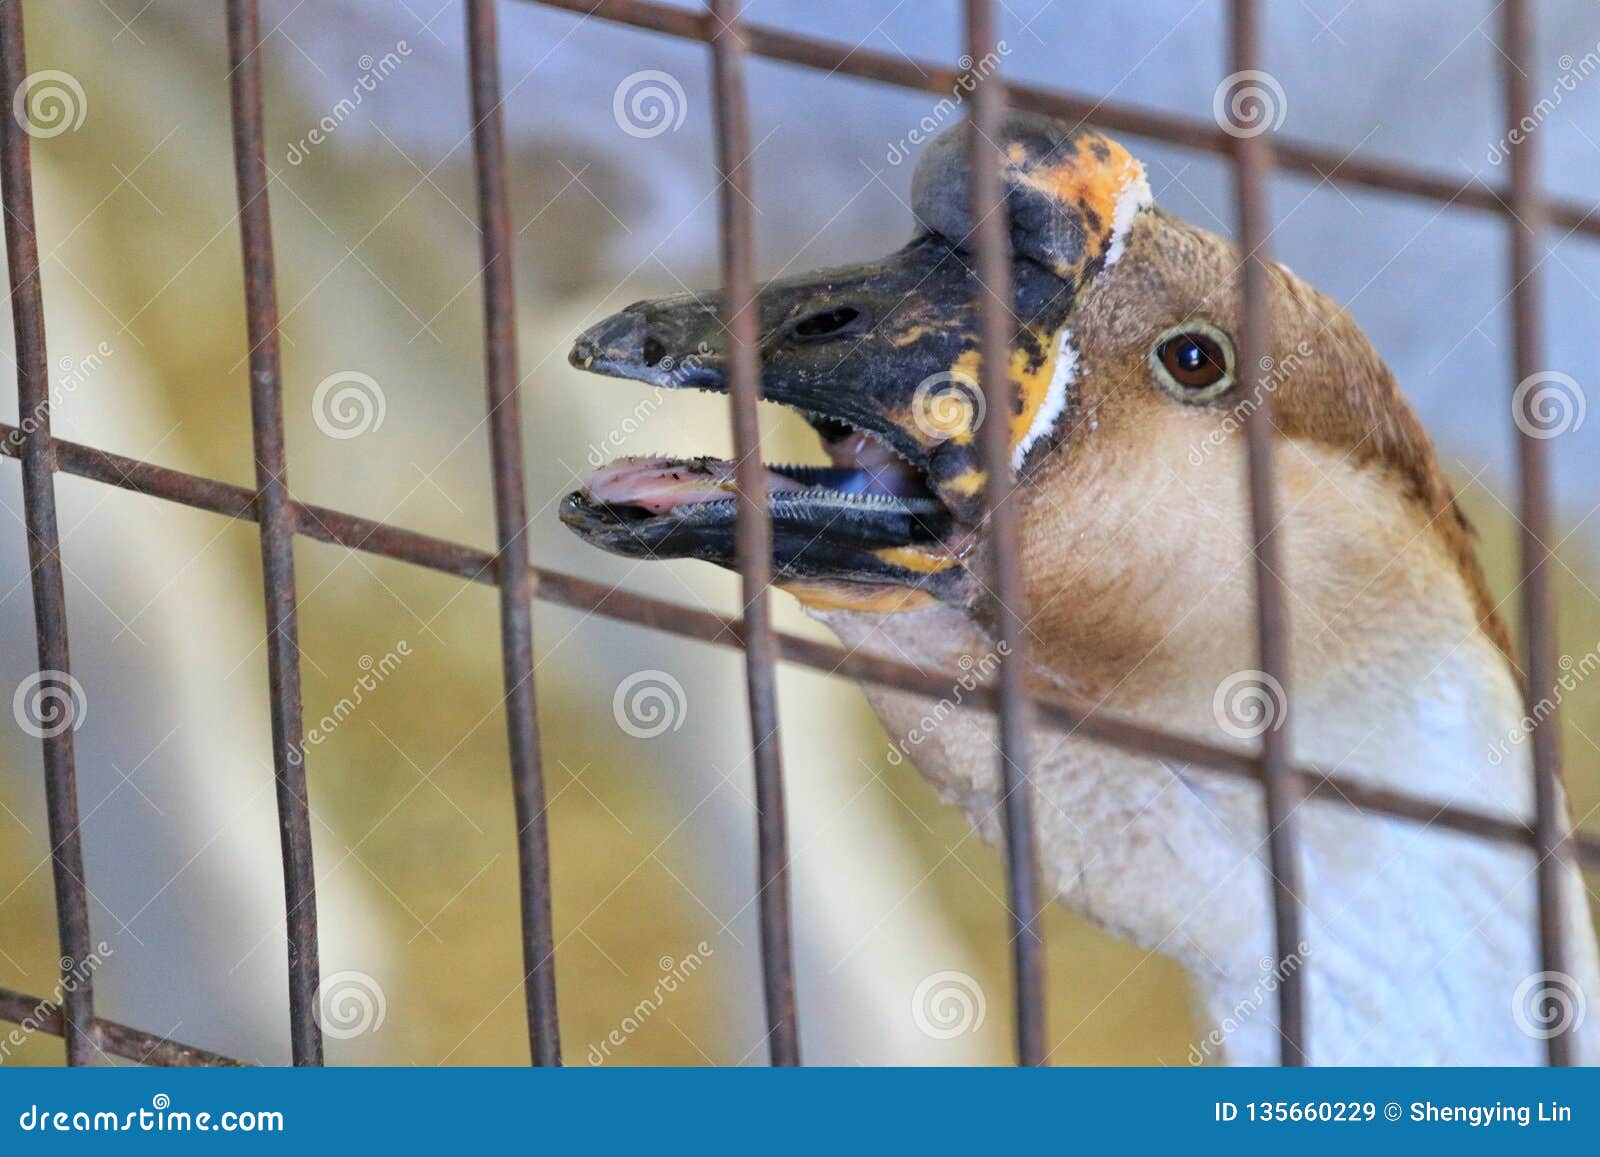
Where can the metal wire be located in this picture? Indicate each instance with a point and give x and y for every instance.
(276, 517)
(754, 527)
(511, 519)
(323, 524)
(1013, 716)
(1282, 789)
(923, 75)
(1552, 844)
(281, 517)
(113, 1039)
(32, 444)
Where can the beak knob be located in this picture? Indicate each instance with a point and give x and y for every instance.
(1071, 194)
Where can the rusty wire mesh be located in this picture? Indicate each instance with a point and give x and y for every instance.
(280, 517)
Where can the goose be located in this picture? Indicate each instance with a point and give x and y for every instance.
(1420, 944)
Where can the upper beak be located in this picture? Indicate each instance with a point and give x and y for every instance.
(889, 348)
(667, 342)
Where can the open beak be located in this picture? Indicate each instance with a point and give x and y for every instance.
(882, 360)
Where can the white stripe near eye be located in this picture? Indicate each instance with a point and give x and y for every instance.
(1055, 399)
(1132, 197)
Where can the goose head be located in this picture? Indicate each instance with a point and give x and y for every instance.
(1127, 403)
(882, 358)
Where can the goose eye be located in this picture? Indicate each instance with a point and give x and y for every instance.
(1194, 363)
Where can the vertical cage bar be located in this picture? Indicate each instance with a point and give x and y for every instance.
(511, 521)
(754, 530)
(44, 545)
(277, 518)
(1283, 789)
(1552, 839)
(1005, 581)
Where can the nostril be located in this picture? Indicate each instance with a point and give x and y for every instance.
(828, 323)
(653, 352)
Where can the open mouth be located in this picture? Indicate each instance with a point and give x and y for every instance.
(868, 517)
(879, 358)
(881, 514)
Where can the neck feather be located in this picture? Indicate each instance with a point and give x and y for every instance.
(1417, 940)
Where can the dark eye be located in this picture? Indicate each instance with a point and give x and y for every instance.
(1193, 362)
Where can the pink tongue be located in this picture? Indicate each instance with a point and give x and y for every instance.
(661, 484)
(885, 472)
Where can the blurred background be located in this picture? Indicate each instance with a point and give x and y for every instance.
(373, 216)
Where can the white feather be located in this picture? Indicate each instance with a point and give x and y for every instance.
(1135, 195)
(1055, 399)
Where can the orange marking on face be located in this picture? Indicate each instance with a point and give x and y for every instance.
(1087, 183)
(1032, 384)
(913, 335)
(916, 558)
(822, 595)
(966, 484)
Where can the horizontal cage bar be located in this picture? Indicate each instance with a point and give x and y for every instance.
(323, 524)
(1301, 157)
(114, 1039)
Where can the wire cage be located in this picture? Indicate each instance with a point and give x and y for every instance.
(1520, 204)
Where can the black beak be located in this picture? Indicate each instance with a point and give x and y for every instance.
(888, 349)
(666, 343)
(882, 359)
